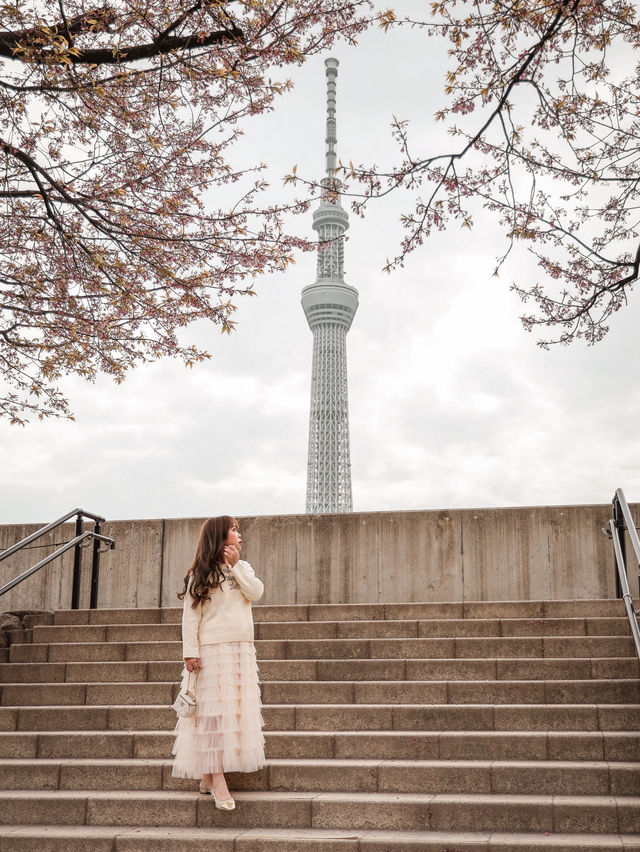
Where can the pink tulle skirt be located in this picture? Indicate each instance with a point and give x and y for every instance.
(226, 735)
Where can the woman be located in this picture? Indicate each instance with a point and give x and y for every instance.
(225, 735)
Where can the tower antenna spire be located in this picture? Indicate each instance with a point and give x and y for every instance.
(331, 66)
(330, 305)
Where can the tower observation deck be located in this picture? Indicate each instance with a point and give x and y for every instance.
(330, 305)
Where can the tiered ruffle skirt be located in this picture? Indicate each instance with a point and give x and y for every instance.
(226, 735)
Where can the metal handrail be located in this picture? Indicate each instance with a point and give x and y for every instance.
(622, 520)
(44, 530)
(77, 543)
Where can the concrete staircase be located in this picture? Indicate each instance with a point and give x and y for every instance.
(476, 726)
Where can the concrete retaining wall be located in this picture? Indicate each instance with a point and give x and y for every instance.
(529, 553)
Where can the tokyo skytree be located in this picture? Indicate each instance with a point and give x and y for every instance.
(330, 306)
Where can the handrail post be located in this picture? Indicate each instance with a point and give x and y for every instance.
(618, 519)
(95, 566)
(77, 563)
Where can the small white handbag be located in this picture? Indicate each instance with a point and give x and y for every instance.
(185, 704)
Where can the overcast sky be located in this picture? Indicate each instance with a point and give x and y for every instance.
(451, 402)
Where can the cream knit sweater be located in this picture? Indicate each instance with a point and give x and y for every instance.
(226, 616)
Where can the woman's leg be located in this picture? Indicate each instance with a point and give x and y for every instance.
(217, 783)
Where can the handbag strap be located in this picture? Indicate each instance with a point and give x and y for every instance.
(195, 686)
(195, 683)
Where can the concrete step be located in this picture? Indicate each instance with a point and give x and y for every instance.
(91, 672)
(559, 668)
(90, 652)
(148, 615)
(381, 628)
(613, 746)
(106, 633)
(167, 839)
(596, 608)
(377, 811)
(342, 717)
(106, 679)
(451, 692)
(460, 648)
(443, 628)
(26, 694)
(474, 668)
(487, 647)
(593, 778)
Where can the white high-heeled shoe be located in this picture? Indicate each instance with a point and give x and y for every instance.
(226, 805)
(222, 805)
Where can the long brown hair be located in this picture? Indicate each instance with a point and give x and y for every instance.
(205, 573)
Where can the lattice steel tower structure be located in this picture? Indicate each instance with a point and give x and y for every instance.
(329, 305)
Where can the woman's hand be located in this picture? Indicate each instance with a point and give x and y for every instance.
(231, 554)
(193, 664)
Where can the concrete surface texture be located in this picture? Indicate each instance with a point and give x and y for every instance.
(471, 726)
(530, 553)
